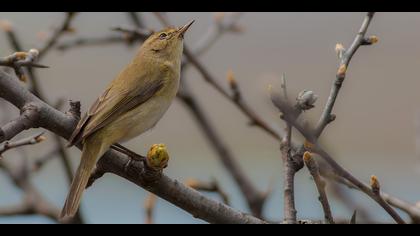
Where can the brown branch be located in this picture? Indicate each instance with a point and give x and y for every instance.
(254, 198)
(289, 116)
(62, 29)
(135, 171)
(7, 27)
(320, 185)
(222, 23)
(87, 42)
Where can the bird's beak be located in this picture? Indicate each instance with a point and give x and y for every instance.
(184, 29)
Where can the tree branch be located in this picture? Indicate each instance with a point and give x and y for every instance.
(320, 185)
(22, 142)
(171, 190)
(345, 57)
(290, 116)
(62, 29)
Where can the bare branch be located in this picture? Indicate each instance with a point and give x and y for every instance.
(254, 198)
(222, 23)
(411, 209)
(320, 185)
(290, 116)
(25, 121)
(22, 142)
(345, 57)
(135, 171)
(62, 29)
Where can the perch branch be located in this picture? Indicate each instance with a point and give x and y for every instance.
(171, 190)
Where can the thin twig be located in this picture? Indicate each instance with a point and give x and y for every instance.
(345, 57)
(320, 185)
(62, 29)
(289, 169)
(289, 116)
(22, 142)
(254, 198)
(411, 209)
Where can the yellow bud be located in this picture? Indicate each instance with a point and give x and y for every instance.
(157, 157)
(342, 70)
(373, 39)
(339, 47)
(307, 156)
(374, 184)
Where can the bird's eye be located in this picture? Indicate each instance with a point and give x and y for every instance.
(163, 36)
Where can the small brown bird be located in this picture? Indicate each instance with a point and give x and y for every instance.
(132, 104)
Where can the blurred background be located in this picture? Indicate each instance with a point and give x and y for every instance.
(376, 130)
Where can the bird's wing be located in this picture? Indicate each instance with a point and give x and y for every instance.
(115, 101)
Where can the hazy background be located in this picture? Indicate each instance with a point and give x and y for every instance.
(374, 133)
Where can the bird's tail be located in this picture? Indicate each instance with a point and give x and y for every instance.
(92, 150)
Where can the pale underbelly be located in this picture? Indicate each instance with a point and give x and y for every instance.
(138, 120)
